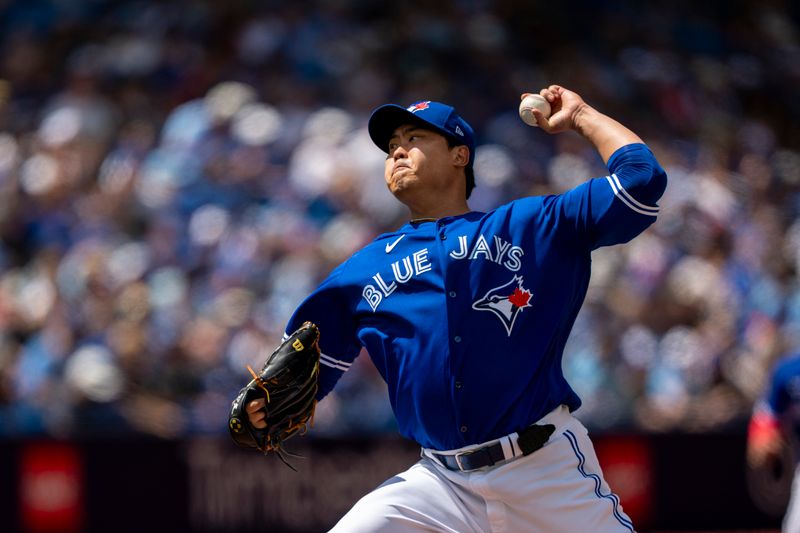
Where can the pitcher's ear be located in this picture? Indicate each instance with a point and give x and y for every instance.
(460, 155)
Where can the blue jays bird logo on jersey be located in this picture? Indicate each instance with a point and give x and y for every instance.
(506, 302)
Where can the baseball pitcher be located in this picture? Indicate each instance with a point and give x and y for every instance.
(466, 314)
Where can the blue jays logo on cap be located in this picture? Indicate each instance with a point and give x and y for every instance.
(435, 116)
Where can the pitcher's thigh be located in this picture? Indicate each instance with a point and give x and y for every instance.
(415, 500)
(559, 489)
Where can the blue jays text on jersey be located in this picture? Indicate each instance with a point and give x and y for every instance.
(466, 317)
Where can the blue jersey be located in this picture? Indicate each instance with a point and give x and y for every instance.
(782, 399)
(466, 317)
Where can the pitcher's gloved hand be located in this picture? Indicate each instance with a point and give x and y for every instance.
(287, 386)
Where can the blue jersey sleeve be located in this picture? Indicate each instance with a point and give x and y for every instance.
(777, 399)
(327, 307)
(615, 208)
(785, 376)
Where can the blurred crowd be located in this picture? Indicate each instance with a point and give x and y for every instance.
(176, 177)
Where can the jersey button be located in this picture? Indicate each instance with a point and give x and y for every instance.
(442, 235)
(458, 384)
(452, 294)
(463, 429)
(457, 338)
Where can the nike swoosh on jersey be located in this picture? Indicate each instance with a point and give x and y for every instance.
(390, 246)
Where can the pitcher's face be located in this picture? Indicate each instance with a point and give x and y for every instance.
(419, 161)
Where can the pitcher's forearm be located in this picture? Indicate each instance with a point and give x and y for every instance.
(606, 134)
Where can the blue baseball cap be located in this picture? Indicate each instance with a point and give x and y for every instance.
(435, 116)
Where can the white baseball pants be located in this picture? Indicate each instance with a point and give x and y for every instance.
(558, 488)
(791, 520)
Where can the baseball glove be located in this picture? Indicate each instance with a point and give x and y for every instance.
(288, 383)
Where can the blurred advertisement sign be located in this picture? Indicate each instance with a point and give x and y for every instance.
(51, 488)
(627, 463)
(235, 489)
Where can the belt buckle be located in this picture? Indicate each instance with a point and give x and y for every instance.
(458, 457)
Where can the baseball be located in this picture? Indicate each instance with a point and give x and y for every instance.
(528, 103)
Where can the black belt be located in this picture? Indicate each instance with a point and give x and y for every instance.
(529, 440)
